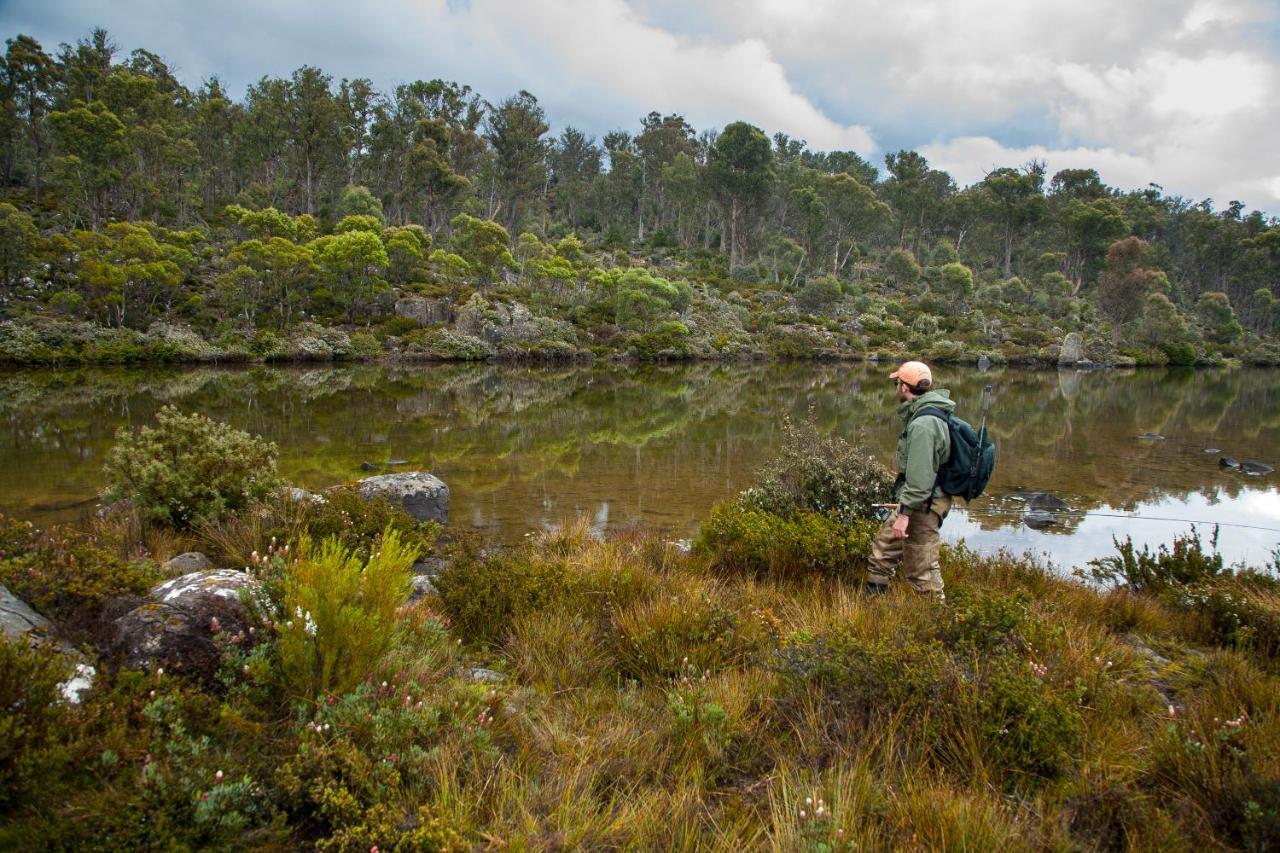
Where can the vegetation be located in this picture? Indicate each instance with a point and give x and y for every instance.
(313, 219)
(742, 695)
(189, 469)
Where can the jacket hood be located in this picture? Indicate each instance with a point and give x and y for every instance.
(939, 398)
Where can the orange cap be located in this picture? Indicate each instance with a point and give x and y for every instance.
(912, 373)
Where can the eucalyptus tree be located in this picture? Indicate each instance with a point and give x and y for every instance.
(660, 141)
(214, 120)
(313, 119)
(739, 174)
(575, 164)
(88, 170)
(619, 191)
(918, 195)
(1016, 201)
(853, 211)
(515, 129)
(30, 75)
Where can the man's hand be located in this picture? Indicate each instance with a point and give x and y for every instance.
(900, 526)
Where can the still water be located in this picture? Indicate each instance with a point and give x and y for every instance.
(525, 448)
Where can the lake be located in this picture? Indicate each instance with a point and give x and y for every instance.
(522, 448)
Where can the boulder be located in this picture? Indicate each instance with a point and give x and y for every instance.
(17, 619)
(1045, 502)
(298, 495)
(424, 496)
(420, 589)
(185, 564)
(1072, 349)
(480, 675)
(178, 628)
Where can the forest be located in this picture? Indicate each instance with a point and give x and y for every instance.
(318, 219)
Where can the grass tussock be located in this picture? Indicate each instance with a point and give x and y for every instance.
(653, 700)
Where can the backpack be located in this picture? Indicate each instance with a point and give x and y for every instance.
(973, 457)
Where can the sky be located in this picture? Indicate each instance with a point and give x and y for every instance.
(1181, 93)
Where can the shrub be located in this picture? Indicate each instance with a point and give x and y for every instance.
(1026, 727)
(987, 621)
(1232, 613)
(355, 522)
(1144, 571)
(822, 474)
(340, 613)
(447, 345)
(996, 706)
(743, 539)
(483, 595)
(190, 469)
(33, 717)
(64, 574)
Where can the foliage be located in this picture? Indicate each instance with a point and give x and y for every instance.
(339, 613)
(65, 574)
(189, 469)
(740, 538)
(33, 719)
(355, 523)
(1143, 571)
(820, 473)
(484, 594)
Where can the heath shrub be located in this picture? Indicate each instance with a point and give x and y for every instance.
(190, 469)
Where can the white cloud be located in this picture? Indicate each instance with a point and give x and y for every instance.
(605, 53)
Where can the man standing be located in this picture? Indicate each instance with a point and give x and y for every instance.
(910, 535)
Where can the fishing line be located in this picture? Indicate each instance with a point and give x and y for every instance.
(1083, 513)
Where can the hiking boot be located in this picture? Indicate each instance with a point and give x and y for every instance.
(871, 590)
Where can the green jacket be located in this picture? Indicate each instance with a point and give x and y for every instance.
(923, 447)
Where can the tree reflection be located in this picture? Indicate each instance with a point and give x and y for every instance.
(521, 447)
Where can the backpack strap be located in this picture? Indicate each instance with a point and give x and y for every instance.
(945, 417)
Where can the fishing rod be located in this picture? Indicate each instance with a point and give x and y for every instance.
(1081, 513)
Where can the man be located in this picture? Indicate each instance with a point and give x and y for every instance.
(910, 535)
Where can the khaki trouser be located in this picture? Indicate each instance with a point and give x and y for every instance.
(918, 553)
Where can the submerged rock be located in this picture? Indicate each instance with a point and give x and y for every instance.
(424, 496)
(1150, 436)
(1255, 468)
(1039, 519)
(1047, 502)
(1228, 462)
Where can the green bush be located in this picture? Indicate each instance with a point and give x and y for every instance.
(740, 538)
(339, 613)
(1232, 613)
(33, 720)
(1027, 728)
(484, 594)
(64, 574)
(820, 473)
(189, 469)
(446, 345)
(356, 523)
(1145, 571)
(686, 627)
(997, 704)
(987, 621)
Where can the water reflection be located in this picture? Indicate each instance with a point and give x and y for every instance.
(522, 448)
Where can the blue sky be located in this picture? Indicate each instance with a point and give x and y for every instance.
(1178, 92)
